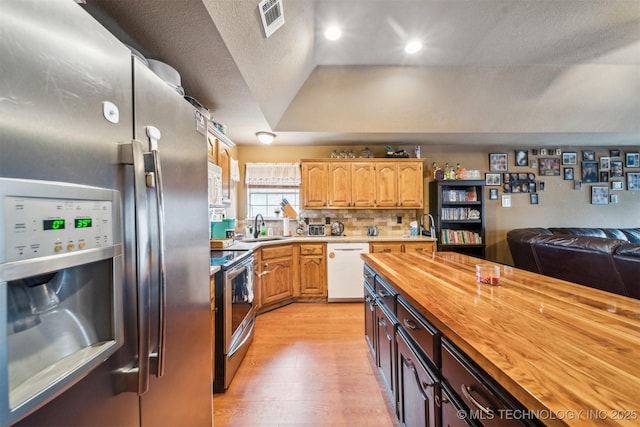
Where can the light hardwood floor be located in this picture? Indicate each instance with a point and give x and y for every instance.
(309, 365)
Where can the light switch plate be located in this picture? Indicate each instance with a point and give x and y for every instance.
(506, 201)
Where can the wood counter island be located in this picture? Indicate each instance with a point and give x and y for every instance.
(567, 353)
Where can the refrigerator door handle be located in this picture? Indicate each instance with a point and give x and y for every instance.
(136, 379)
(154, 135)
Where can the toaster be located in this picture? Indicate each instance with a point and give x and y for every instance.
(316, 230)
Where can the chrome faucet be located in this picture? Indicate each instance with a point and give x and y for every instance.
(432, 225)
(256, 230)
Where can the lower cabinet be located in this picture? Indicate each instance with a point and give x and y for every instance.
(313, 272)
(276, 276)
(386, 345)
(418, 388)
(432, 383)
(370, 318)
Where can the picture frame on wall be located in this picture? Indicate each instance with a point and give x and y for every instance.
(605, 163)
(543, 151)
(522, 158)
(614, 199)
(614, 153)
(498, 162)
(604, 176)
(633, 181)
(558, 151)
(533, 198)
(599, 195)
(577, 185)
(633, 160)
(492, 179)
(548, 166)
(590, 172)
(493, 194)
(617, 169)
(570, 158)
(617, 185)
(588, 156)
(568, 174)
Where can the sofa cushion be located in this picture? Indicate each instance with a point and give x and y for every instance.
(579, 259)
(519, 241)
(627, 261)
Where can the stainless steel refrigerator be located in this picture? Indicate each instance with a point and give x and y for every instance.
(90, 140)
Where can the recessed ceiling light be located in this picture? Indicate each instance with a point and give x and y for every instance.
(332, 33)
(413, 47)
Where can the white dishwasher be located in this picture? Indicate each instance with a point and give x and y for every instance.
(344, 271)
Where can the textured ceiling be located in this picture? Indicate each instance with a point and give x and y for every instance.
(543, 72)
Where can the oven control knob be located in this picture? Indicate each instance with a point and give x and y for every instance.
(71, 246)
(57, 248)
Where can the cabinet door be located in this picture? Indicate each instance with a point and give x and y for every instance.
(363, 185)
(420, 247)
(339, 185)
(277, 280)
(369, 319)
(451, 415)
(385, 346)
(224, 161)
(385, 247)
(417, 389)
(410, 185)
(313, 276)
(386, 184)
(314, 184)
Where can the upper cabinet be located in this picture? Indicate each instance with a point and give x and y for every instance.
(219, 152)
(360, 184)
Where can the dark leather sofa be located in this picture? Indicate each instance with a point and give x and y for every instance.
(602, 258)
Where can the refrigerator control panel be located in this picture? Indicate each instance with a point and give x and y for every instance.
(36, 227)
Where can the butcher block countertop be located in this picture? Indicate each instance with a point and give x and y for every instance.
(557, 347)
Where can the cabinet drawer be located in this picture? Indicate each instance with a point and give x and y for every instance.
(312, 249)
(369, 277)
(385, 247)
(423, 248)
(484, 400)
(424, 334)
(277, 252)
(386, 294)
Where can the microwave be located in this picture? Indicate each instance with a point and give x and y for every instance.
(316, 230)
(215, 185)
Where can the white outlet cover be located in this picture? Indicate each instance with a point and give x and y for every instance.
(506, 201)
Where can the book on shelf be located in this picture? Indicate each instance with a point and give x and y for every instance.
(457, 214)
(460, 195)
(460, 237)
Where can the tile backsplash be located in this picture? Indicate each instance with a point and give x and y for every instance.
(355, 221)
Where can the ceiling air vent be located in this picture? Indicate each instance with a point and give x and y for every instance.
(272, 16)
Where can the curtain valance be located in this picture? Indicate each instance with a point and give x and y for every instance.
(272, 174)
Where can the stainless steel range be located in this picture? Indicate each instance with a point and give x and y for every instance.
(234, 313)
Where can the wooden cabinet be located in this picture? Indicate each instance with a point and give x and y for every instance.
(339, 176)
(433, 382)
(363, 187)
(418, 387)
(459, 211)
(385, 334)
(219, 152)
(224, 161)
(410, 194)
(313, 272)
(421, 247)
(277, 275)
(387, 184)
(359, 184)
(315, 184)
